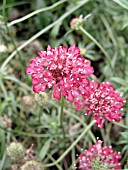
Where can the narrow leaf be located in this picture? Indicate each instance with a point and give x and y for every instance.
(119, 81)
(45, 149)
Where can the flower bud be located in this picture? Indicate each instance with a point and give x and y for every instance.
(28, 102)
(3, 48)
(15, 151)
(76, 23)
(32, 165)
(6, 121)
(82, 51)
(41, 98)
(30, 153)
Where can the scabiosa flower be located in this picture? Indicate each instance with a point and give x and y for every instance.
(101, 100)
(97, 157)
(61, 68)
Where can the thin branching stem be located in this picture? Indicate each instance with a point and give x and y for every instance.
(101, 48)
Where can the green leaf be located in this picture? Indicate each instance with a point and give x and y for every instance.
(45, 149)
(119, 81)
(55, 30)
(12, 78)
(122, 3)
(125, 25)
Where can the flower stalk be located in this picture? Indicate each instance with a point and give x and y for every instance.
(99, 45)
(72, 145)
(61, 116)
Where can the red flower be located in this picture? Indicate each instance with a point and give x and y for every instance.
(61, 68)
(98, 157)
(101, 100)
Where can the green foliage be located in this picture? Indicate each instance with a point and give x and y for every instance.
(28, 27)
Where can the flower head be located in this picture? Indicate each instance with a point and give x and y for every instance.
(97, 157)
(61, 68)
(101, 100)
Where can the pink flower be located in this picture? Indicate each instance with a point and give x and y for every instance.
(98, 157)
(101, 100)
(61, 68)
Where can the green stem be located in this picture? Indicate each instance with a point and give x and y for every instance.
(4, 90)
(52, 159)
(10, 5)
(66, 14)
(18, 81)
(118, 124)
(35, 12)
(7, 29)
(61, 115)
(101, 48)
(83, 123)
(72, 145)
(7, 142)
(3, 10)
(25, 133)
(70, 113)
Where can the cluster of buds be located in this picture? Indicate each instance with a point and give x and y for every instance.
(23, 159)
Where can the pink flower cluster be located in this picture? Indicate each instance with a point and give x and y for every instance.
(61, 68)
(97, 157)
(67, 71)
(101, 100)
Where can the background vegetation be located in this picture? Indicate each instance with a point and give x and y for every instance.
(27, 27)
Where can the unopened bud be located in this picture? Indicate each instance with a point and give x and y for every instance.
(27, 102)
(83, 51)
(16, 151)
(41, 98)
(30, 153)
(76, 23)
(3, 48)
(7, 122)
(32, 165)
